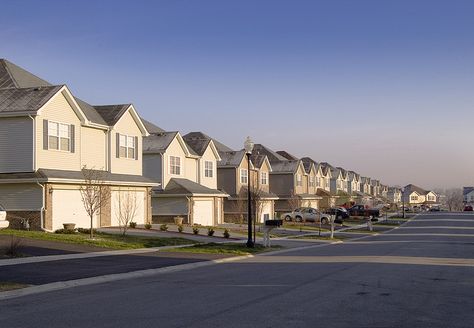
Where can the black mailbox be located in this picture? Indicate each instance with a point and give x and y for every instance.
(274, 223)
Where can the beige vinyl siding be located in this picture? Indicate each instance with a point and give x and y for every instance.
(174, 149)
(282, 184)
(191, 170)
(21, 196)
(58, 110)
(93, 148)
(210, 182)
(265, 168)
(16, 145)
(129, 127)
(299, 189)
(226, 180)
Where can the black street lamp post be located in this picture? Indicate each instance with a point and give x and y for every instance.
(248, 146)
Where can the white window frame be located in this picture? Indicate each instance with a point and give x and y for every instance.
(244, 176)
(127, 142)
(208, 169)
(299, 180)
(311, 181)
(263, 178)
(175, 165)
(58, 135)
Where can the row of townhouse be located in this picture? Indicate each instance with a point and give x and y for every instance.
(47, 135)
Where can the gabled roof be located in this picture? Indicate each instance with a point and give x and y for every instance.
(411, 187)
(112, 113)
(287, 155)
(13, 76)
(204, 137)
(151, 128)
(158, 142)
(231, 158)
(308, 164)
(467, 190)
(26, 99)
(273, 157)
(179, 186)
(343, 172)
(286, 166)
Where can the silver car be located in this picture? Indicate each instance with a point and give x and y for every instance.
(306, 214)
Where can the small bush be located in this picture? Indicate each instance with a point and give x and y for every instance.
(148, 226)
(86, 230)
(14, 247)
(164, 227)
(180, 228)
(226, 233)
(210, 231)
(195, 230)
(133, 225)
(65, 231)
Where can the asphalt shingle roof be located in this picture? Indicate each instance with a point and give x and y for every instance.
(150, 127)
(26, 99)
(231, 158)
(178, 186)
(112, 113)
(259, 149)
(158, 142)
(197, 143)
(287, 155)
(221, 148)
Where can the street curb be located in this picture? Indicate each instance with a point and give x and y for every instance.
(49, 258)
(60, 285)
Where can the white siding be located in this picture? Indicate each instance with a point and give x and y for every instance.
(203, 212)
(21, 196)
(16, 145)
(69, 208)
(58, 110)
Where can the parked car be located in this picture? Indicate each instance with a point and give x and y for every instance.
(340, 213)
(435, 209)
(468, 208)
(361, 210)
(306, 214)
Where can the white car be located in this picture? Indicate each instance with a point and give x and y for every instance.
(3, 218)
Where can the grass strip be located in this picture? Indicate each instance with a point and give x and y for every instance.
(224, 248)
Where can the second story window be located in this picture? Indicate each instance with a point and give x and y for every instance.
(127, 146)
(299, 180)
(244, 176)
(264, 178)
(318, 181)
(208, 169)
(311, 181)
(327, 183)
(59, 136)
(414, 197)
(175, 165)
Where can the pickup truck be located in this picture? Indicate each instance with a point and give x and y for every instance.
(360, 210)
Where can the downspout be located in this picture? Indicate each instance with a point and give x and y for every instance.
(34, 170)
(189, 209)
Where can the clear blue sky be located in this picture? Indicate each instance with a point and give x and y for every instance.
(381, 87)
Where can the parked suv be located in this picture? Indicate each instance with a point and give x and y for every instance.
(468, 208)
(340, 213)
(307, 214)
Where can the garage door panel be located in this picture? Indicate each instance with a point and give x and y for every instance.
(69, 208)
(203, 212)
(137, 201)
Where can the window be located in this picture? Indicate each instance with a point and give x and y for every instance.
(338, 184)
(318, 181)
(263, 178)
(208, 169)
(59, 136)
(126, 146)
(414, 197)
(244, 176)
(327, 183)
(299, 180)
(311, 181)
(175, 165)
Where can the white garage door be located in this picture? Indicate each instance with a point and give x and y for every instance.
(68, 208)
(203, 211)
(266, 212)
(131, 202)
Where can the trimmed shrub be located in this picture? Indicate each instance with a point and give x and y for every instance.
(65, 231)
(148, 226)
(180, 228)
(226, 233)
(133, 225)
(210, 231)
(86, 230)
(164, 227)
(195, 230)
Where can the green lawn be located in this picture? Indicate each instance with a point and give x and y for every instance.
(105, 240)
(224, 248)
(5, 285)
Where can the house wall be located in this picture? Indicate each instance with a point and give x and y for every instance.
(281, 184)
(265, 168)
(169, 206)
(58, 110)
(93, 148)
(152, 166)
(312, 189)
(191, 169)
(126, 125)
(175, 149)
(210, 182)
(16, 145)
(298, 189)
(21, 196)
(226, 180)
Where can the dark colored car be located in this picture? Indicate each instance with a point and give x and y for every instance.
(361, 210)
(468, 208)
(340, 213)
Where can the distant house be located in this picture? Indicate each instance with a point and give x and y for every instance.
(47, 136)
(394, 195)
(468, 195)
(415, 195)
(186, 168)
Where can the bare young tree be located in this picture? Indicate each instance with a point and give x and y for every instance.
(454, 199)
(239, 205)
(95, 194)
(294, 201)
(258, 203)
(126, 210)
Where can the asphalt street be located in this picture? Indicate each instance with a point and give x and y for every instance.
(419, 275)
